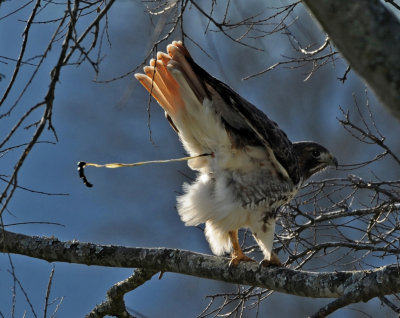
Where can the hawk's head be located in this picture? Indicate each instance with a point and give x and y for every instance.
(312, 158)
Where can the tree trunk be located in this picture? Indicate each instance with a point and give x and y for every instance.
(368, 36)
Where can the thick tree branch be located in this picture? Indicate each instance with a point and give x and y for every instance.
(368, 36)
(367, 283)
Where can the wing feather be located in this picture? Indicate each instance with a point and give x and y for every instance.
(247, 124)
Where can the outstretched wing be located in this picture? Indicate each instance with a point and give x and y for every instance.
(209, 116)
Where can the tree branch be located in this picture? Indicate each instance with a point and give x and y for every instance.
(115, 304)
(368, 36)
(368, 283)
(341, 302)
(48, 101)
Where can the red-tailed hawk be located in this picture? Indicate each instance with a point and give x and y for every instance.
(253, 168)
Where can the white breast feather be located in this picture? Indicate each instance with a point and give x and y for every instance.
(209, 200)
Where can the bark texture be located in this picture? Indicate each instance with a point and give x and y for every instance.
(368, 36)
(355, 286)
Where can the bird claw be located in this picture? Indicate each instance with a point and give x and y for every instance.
(236, 259)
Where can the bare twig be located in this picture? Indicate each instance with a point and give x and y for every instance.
(24, 293)
(333, 306)
(390, 304)
(394, 4)
(47, 297)
(22, 51)
(46, 119)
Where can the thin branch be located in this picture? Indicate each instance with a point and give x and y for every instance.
(114, 305)
(221, 27)
(47, 297)
(394, 4)
(22, 52)
(334, 305)
(388, 303)
(94, 23)
(290, 60)
(23, 292)
(49, 99)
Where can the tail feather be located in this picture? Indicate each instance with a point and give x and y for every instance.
(180, 54)
(154, 90)
(162, 86)
(163, 57)
(167, 85)
(171, 76)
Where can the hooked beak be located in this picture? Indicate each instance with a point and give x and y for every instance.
(332, 161)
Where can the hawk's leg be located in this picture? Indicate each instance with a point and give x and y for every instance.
(237, 253)
(273, 261)
(263, 232)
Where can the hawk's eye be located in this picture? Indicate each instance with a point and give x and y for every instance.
(315, 153)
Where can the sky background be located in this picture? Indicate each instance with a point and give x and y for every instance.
(97, 122)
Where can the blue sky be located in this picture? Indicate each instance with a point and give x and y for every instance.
(109, 123)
